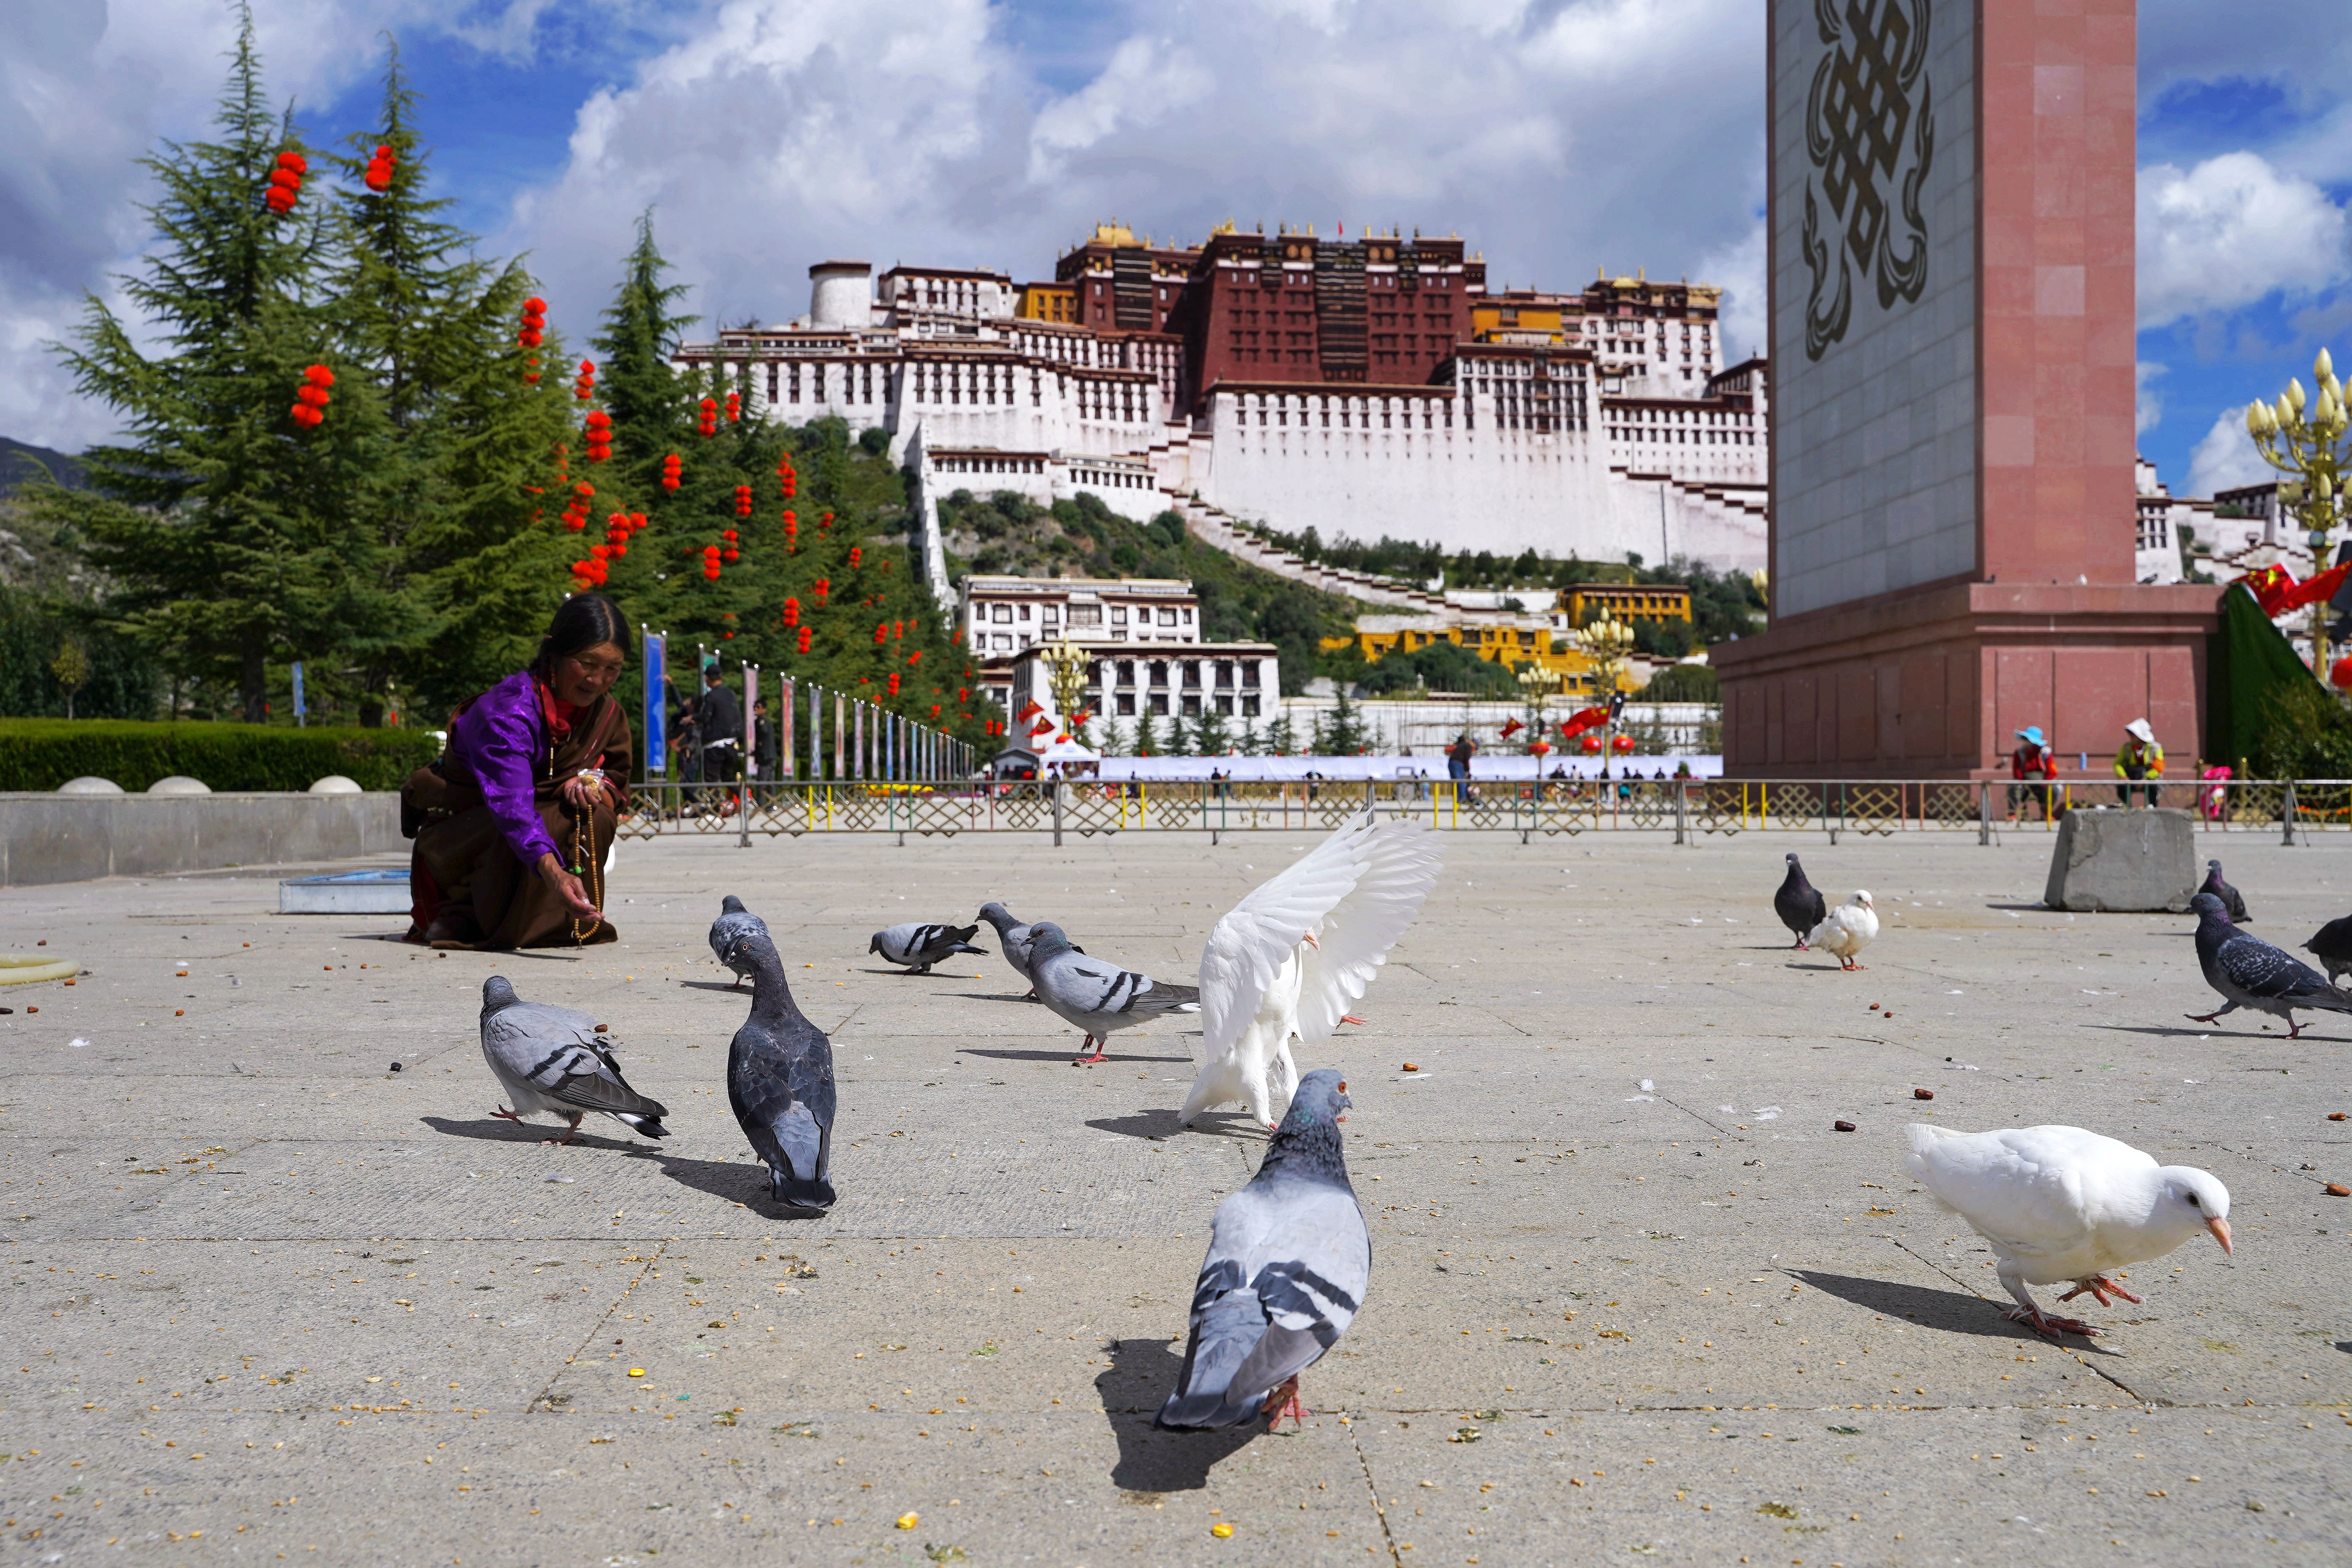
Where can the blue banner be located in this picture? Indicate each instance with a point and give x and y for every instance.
(299, 722)
(656, 703)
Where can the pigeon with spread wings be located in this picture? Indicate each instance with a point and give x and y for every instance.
(1294, 955)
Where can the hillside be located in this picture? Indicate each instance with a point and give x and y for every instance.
(22, 463)
(1006, 533)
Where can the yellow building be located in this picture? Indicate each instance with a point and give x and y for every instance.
(1512, 645)
(1625, 602)
(1048, 302)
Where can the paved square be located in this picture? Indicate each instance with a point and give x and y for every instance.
(1632, 1297)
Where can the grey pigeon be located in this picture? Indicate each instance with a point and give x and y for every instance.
(1013, 942)
(2231, 899)
(2332, 945)
(919, 946)
(779, 1081)
(1289, 1262)
(1799, 903)
(553, 1059)
(1096, 996)
(727, 933)
(2250, 973)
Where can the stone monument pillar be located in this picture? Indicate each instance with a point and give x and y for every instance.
(1951, 319)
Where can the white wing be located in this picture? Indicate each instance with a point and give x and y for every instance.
(1249, 943)
(2031, 1189)
(1401, 865)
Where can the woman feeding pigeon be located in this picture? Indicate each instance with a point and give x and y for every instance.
(514, 821)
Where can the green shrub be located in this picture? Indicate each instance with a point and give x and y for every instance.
(42, 754)
(2303, 732)
(1683, 683)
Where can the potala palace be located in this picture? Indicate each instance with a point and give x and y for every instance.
(1358, 386)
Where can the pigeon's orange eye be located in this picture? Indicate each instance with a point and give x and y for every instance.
(1343, 1086)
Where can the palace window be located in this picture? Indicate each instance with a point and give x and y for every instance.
(1002, 615)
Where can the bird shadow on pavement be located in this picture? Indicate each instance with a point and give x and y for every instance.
(1951, 1311)
(984, 996)
(1141, 1374)
(2200, 1032)
(495, 1130)
(714, 986)
(735, 1180)
(1157, 1124)
(1061, 1055)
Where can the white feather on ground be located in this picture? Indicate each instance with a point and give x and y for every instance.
(2062, 1204)
(1300, 949)
(1849, 929)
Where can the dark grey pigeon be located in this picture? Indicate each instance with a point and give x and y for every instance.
(1289, 1260)
(919, 946)
(1799, 903)
(779, 1081)
(727, 933)
(2332, 945)
(555, 1059)
(2250, 973)
(1096, 996)
(2231, 899)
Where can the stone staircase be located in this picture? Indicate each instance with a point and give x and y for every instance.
(1215, 526)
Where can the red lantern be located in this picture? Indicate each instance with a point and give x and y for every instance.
(734, 407)
(379, 169)
(916, 656)
(792, 611)
(534, 328)
(804, 645)
(311, 398)
(1539, 748)
(856, 554)
(881, 633)
(598, 436)
(823, 586)
(742, 501)
(894, 683)
(824, 521)
(1622, 744)
(669, 472)
(708, 422)
(1591, 744)
(286, 182)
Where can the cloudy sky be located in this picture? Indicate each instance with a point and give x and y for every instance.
(1559, 136)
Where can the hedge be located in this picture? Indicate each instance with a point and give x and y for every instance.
(42, 754)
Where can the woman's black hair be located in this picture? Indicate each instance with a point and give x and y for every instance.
(584, 621)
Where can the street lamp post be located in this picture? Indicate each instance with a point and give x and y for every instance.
(2304, 437)
(1606, 643)
(1066, 678)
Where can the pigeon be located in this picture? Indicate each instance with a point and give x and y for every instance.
(2059, 1203)
(727, 932)
(1012, 941)
(920, 946)
(2250, 973)
(1096, 996)
(1799, 903)
(552, 1058)
(779, 1081)
(2332, 945)
(1290, 1258)
(1301, 946)
(2231, 899)
(1847, 930)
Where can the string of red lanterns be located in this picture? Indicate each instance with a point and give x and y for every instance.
(803, 645)
(576, 515)
(669, 472)
(787, 476)
(742, 501)
(311, 397)
(599, 435)
(728, 550)
(286, 182)
(534, 323)
(585, 386)
(792, 530)
(734, 407)
(379, 169)
(710, 562)
(792, 611)
(707, 421)
(857, 553)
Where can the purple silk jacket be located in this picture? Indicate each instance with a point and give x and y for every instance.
(501, 741)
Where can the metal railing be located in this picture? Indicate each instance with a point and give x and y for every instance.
(1688, 808)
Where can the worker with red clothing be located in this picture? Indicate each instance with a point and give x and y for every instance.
(2032, 760)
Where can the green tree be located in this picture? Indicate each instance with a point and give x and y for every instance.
(1341, 733)
(1210, 734)
(1281, 736)
(222, 520)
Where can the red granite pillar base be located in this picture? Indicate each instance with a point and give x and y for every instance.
(1933, 682)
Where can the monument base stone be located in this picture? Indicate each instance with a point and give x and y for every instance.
(2123, 861)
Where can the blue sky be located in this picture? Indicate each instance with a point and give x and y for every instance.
(1557, 135)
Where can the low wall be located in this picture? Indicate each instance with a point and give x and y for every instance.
(71, 839)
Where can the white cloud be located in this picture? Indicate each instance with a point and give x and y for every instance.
(1554, 136)
(1739, 268)
(2230, 231)
(2147, 404)
(2224, 457)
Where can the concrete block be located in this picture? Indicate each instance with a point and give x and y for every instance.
(2138, 861)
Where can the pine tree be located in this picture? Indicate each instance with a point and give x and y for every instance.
(223, 520)
(472, 562)
(1281, 736)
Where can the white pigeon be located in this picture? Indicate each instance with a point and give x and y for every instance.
(1291, 957)
(1849, 929)
(2059, 1203)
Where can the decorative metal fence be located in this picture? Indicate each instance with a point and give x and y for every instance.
(1688, 808)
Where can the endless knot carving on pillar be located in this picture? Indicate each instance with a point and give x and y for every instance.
(1870, 133)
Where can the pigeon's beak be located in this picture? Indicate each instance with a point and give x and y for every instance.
(2221, 1229)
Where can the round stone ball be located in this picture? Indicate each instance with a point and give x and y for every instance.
(88, 786)
(179, 784)
(336, 783)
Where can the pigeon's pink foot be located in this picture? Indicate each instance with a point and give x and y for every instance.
(1351, 1018)
(1284, 1401)
(2042, 1322)
(503, 1114)
(569, 1134)
(2293, 1029)
(2100, 1286)
(1085, 1060)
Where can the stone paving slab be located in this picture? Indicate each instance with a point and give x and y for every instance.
(1616, 1240)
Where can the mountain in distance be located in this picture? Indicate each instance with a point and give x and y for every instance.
(23, 464)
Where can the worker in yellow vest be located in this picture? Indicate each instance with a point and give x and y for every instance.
(2140, 762)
